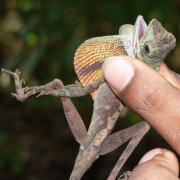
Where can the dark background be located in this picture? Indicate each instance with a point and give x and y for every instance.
(40, 38)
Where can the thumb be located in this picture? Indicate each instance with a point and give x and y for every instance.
(157, 164)
(146, 92)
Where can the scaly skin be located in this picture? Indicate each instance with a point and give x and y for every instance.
(149, 44)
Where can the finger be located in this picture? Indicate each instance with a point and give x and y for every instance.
(157, 163)
(162, 157)
(171, 76)
(149, 94)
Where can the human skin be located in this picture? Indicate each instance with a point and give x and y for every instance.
(155, 96)
(157, 164)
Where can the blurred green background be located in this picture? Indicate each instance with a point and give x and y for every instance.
(40, 38)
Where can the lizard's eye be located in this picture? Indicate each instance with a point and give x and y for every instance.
(146, 49)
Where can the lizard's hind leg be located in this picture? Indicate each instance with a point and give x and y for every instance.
(132, 134)
(105, 114)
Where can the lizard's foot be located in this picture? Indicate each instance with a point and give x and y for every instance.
(47, 89)
(125, 176)
(20, 94)
(23, 93)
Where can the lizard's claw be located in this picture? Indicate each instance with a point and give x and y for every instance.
(20, 94)
(44, 92)
(32, 90)
(47, 89)
(78, 83)
(50, 88)
(23, 82)
(14, 95)
(18, 72)
(36, 90)
(125, 176)
(8, 72)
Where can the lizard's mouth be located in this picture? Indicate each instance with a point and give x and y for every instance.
(139, 32)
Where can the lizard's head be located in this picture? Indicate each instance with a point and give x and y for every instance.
(152, 43)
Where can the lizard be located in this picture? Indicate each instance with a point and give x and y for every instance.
(149, 44)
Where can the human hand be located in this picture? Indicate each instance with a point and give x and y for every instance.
(157, 164)
(155, 96)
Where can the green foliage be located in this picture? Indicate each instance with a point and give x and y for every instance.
(11, 159)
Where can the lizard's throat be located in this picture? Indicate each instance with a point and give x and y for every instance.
(128, 44)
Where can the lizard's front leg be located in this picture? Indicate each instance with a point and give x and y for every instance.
(74, 120)
(53, 88)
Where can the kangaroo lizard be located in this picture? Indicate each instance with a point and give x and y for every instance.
(149, 44)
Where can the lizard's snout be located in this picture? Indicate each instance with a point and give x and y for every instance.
(165, 40)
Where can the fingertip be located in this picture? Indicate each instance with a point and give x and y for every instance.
(162, 157)
(150, 155)
(118, 72)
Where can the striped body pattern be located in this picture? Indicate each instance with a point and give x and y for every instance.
(91, 54)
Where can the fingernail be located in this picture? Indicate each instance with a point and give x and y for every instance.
(118, 72)
(150, 155)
